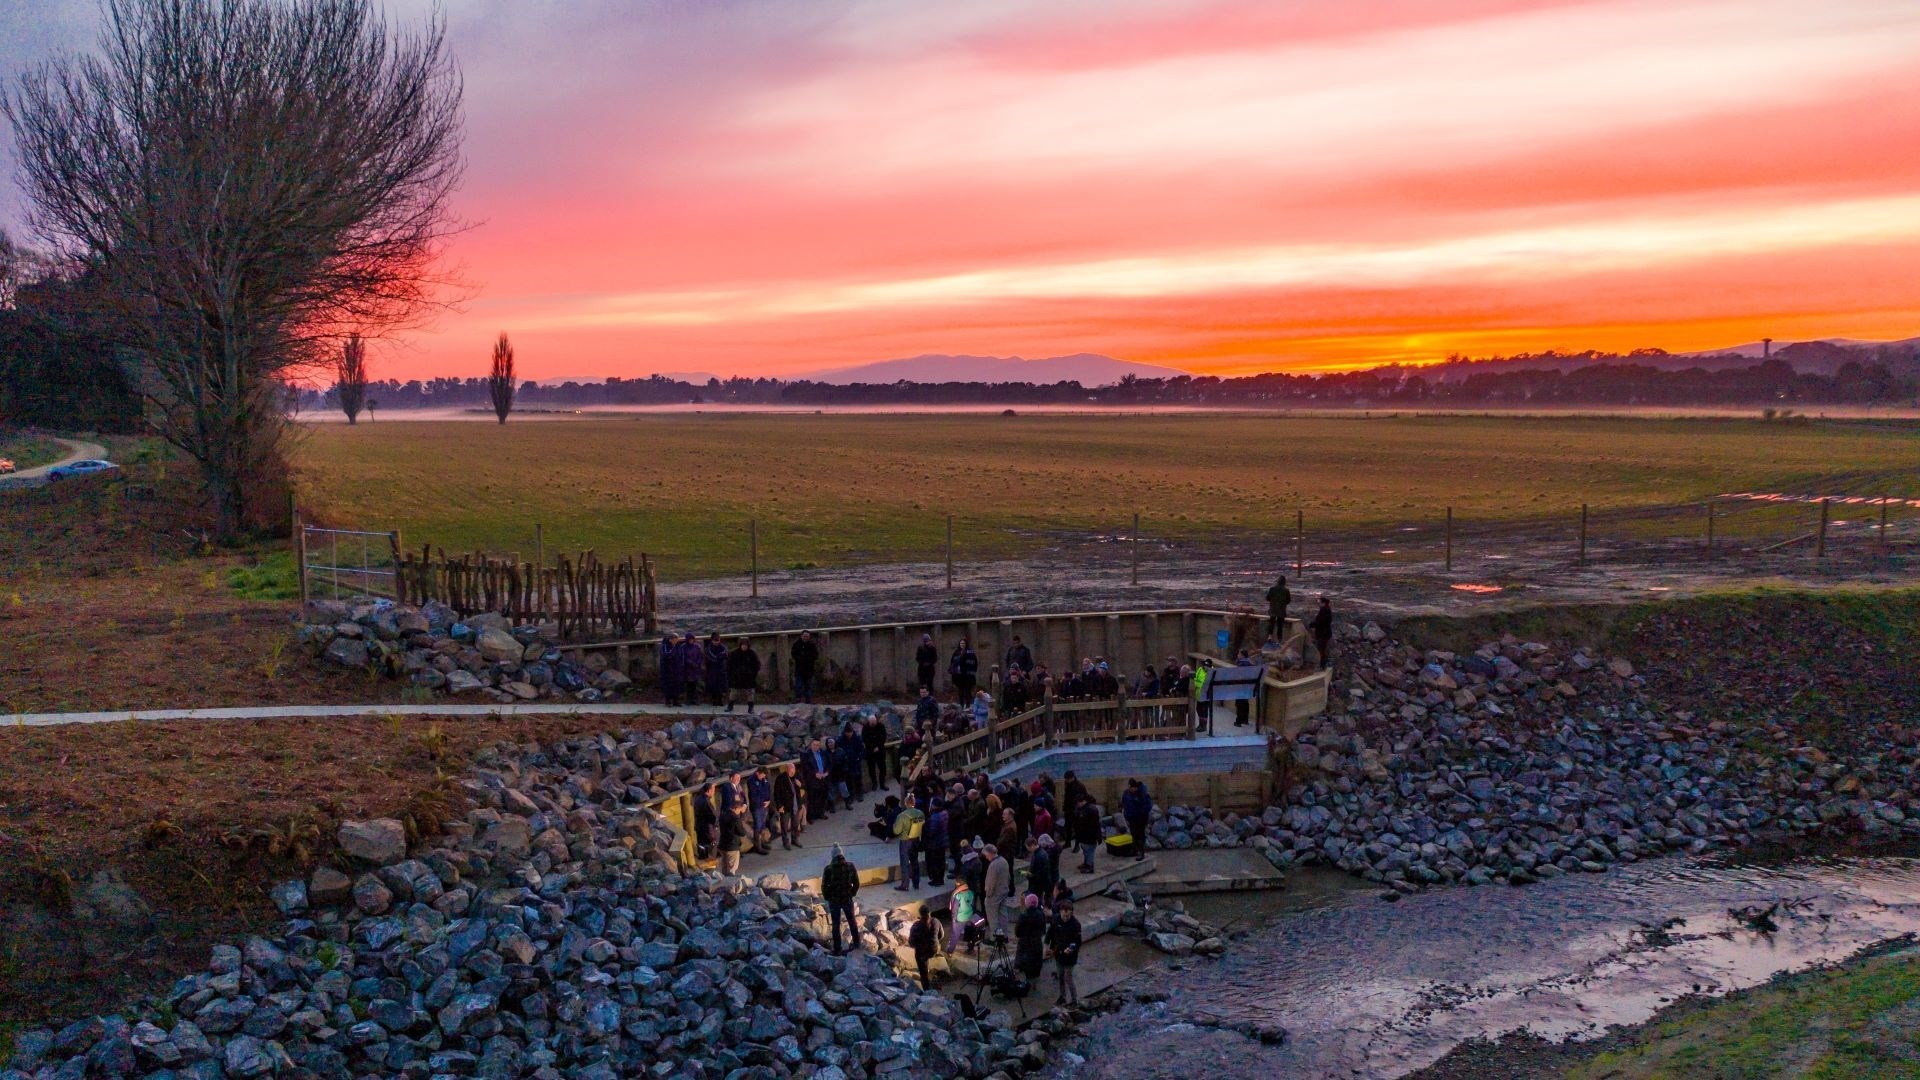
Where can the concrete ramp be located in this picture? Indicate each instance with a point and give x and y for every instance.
(1209, 870)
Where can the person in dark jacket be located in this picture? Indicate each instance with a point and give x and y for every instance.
(1063, 938)
(733, 836)
(1040, 865)
(873, 740)
(847, 757)
(671, 684)
(1136, 806)
(743, 674)
(925, 942)
(706, 832)
(1075, 790)
(816, 771)
(933, 842)
(1018, 656)
(692, 660)
(1323, 632)
(964, 669)
(925, 659)
(805, 656)
(926, 710)
(1030, 937)
(838, 884)
(788, 800)
(760, 810)
(1086, 830)
(1278, 598)
(714, 656)
(1013, 693)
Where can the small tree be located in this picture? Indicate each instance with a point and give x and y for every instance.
(350, 377)
(500, 379)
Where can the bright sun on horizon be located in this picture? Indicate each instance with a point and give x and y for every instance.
(1220, 186)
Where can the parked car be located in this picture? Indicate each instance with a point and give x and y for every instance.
(86, 467)
(6, 465)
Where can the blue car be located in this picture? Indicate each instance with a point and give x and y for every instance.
(87, 467)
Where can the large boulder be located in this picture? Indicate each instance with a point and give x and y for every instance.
(499, 646)
(378, 842)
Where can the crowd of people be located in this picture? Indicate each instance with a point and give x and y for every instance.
(1003, 844)
(693, 671)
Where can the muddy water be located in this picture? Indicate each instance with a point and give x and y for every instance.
(1372, 989)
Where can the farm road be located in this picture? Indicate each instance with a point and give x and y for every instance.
(77, 450)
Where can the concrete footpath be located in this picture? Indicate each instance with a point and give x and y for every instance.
(318, 712)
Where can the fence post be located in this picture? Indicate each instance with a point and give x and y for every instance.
(1583, 534)
(299, 551)
(949, 551)
(1820, 544)
(1136, 541)
(1449, 538)
(399, 585)
(1299, 540)
(753, 551)
(539, 544)
(1709, 526)
(1047, 721)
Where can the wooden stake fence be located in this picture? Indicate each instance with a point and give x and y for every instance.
(584, 596)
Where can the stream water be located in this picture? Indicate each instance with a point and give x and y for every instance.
(1372, 989)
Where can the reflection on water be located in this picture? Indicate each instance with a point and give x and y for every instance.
(1371, 989)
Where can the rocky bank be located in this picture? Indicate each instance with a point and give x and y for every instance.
(1521, 761)
(433, 648)
(547, 933)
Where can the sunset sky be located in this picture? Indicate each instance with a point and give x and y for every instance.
(1216, 185)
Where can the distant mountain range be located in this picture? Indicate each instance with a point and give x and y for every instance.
(1753, 350)
(1087, 369)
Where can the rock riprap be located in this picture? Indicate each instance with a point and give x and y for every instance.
(434, 649)
(550, 932)
(1519, 761)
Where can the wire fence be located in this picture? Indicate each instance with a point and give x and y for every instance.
(1731, 529)
(346, 564)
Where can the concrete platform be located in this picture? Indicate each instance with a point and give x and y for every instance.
(1207, 870)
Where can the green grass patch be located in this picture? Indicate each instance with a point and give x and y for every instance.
(274, 577)
(29, 451)
(1857, 1022)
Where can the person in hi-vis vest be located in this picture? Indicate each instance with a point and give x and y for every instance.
(1203, 695)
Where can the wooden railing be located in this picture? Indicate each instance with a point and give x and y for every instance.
(1062, 723)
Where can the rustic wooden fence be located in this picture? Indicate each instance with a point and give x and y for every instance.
(583, 596)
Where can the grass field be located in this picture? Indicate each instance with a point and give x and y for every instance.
(837, 488)
(1860, 1022)
(27, 450)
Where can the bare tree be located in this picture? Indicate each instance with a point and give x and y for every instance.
(249, 181)
(350, 377)
(500, 378)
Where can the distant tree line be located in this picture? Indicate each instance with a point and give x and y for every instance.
(1865, 376)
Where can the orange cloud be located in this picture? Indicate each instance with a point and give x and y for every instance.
(1213, 184)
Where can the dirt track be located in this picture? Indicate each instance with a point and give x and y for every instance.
(1514, 567)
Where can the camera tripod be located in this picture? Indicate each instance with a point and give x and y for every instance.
(997, 961)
